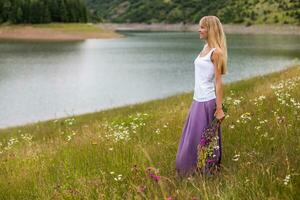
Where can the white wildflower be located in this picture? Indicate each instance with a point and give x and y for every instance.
(262, 97)
(236, 102)
(157, 131)
(257, 127)
(69, 137)
(245, 117)
(236, 157)
(286, 180)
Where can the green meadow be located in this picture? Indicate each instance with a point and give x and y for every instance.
(109, 154)
(65, 27)
(70, 27)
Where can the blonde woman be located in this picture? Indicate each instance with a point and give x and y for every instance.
(210, 65)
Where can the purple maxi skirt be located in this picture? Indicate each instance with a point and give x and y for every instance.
(200, 115)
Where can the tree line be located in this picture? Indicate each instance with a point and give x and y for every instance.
(42, 11)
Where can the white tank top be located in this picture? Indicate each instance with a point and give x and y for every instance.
(204, 78)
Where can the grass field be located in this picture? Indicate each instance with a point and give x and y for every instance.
(108, 154)
(84, 27)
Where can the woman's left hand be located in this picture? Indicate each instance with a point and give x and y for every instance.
(219, 114)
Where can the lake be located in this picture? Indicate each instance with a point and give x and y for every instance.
(47, 80)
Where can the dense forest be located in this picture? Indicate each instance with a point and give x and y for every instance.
(42, 11)
(190, 11)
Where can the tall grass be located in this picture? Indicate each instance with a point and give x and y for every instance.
(129, 152)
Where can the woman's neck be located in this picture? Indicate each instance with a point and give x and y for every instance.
(208, 45)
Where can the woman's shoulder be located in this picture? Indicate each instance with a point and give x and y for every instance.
(216, 54)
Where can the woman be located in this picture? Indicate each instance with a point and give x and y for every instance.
(210, 64)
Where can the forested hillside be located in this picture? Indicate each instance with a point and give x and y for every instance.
(190, 11)
(150, 11)
(42, 11)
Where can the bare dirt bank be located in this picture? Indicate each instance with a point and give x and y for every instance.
(228, 28)
(28, 32)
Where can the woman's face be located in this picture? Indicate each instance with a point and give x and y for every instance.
(202, 31)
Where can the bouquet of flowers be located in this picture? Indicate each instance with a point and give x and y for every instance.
(208, 149)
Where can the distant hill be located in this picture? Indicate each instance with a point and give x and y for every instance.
(190, 11)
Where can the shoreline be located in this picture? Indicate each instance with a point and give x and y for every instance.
(55, 32)
(78, 32)
(284, 29)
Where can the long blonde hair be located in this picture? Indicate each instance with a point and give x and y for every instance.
(216, 38)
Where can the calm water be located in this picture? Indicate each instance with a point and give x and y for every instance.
(43, 80)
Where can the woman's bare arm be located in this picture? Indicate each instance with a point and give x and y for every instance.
(218, 77)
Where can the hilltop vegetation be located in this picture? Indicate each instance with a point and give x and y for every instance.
(190, 11)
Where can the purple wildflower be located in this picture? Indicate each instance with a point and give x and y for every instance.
(155, 177)
(152, 172)
(202, 141)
